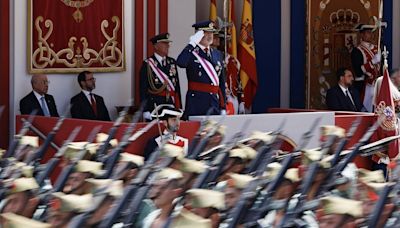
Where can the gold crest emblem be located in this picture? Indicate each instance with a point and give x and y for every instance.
(387, 115)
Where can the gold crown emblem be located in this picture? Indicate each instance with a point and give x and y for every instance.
(386, 114)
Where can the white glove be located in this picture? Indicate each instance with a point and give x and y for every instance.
(196, 38)
(384, 160)
(377, 58)
(223, 112)
(241, 109)
(147, 116)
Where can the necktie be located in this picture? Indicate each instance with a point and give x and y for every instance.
(93, 103)
(351, 100)
(206, 51)
(164, 62)
(44, 107)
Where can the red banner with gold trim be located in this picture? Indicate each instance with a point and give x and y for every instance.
(74, 35)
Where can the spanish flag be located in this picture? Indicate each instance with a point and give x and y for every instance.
(385, 109)
(232, 64)
(213, 10)
(247, 55)
(232, 44)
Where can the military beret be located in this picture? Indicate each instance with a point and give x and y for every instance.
(71, 202)
(211, 124)
(203, 198)
(23, 184)
(86, 166)
(208, 26)
(169, 174)
(113, 188)
(136, 159)
(239, 181)
(258, 135)
(73, 148)
(163, 37)
(273, 169)
(332, 130)
(17, 221)
(32, 141)
(310, 156)
(250, 152)
(368, 176)
(26, 170)
(341, 206)
(172, 151)
(101, 137)
(192, 166)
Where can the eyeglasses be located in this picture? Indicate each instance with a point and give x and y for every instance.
(91, 79)
(45, 82)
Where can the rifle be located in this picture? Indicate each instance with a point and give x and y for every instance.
(101, 194)
(343, 142)
(66, 172)
(134, 192)
(379, 206)
(14, 144)
(203, 125)
(39, 154)
(203, 143)
(334, 171)
(114, 156)
(40, 134)
(213, 172)
(102, 151)
(250, 217)
(53, 162)
(263, 151)
(291, 218)
(395, 177)
(210, 176)
(240, 213)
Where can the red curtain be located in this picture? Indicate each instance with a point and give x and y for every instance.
(4, 71)
(69, 36)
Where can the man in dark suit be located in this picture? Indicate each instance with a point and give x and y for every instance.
(342, 97)
(87, 105)
(159, 81)
(39, 99)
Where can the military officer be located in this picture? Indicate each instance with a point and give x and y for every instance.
(170, 116)
(159, 77)
(205, 73)
(366, 64)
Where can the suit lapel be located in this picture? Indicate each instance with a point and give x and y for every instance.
(87, 103)
(36, 104)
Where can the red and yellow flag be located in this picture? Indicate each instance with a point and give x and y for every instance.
(247, 55)
(232, 44)
(213, 10)
(385, 109)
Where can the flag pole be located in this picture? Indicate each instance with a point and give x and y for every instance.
(226, 15)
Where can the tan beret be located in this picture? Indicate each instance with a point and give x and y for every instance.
(342, 206)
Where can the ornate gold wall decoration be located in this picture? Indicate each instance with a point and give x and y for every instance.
(330, 39)
(57, 44)
(77, 15)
